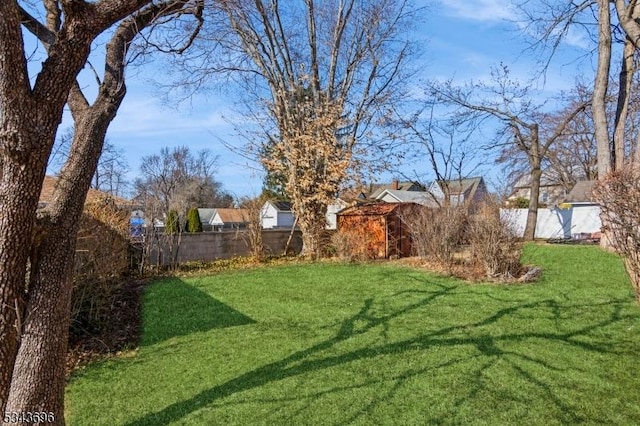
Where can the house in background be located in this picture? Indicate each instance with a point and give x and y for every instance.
(276, 214)
(206, 215)
(582, 194)
(375, 190)
(49, 183)
(332, 210)
(551, 191)
(399, 196)
(229, 219)
(469, 190)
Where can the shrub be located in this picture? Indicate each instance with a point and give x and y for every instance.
(437, 233)
(193, 221)
(352, 246)
(619, 197)
(494, 247)
(172, 226)
(521, 203)
(102, 259)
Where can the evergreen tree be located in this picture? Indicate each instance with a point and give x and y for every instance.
(193, 220)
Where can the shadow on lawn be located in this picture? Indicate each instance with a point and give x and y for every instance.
(488, 351)
(182, 309)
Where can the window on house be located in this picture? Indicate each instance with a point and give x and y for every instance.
(545, 197)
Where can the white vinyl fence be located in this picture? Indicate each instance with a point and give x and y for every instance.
(557, 222)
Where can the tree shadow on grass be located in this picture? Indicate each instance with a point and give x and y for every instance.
(488, 348)
(180, 309)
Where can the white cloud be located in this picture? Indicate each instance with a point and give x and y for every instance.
(479, 10)
(139, 117)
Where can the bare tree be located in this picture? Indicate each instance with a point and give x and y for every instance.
(319, 71)
(446, 145)
(34, 317)
(110, 175)
(521, 123)
(178, 179)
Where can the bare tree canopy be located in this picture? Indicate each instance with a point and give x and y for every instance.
(177, 179)
(522, 124)
(323, 74)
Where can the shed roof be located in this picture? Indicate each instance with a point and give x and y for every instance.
(206, 215)
(283, 206)
(233, 215)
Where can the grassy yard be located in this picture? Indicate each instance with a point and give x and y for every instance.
(332, 344)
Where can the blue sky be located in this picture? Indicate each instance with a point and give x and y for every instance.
(461, 39)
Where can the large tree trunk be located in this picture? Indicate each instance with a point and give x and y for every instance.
(39, 375)
(532, 214)
(627, 71)
(600, 90)
(311, 217)
(19, 192)
(599, 103)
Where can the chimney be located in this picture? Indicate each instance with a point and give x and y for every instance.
(394, 184)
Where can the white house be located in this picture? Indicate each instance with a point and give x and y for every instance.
(227, 219)
(332, 211)
(276, 214)
(205, 218)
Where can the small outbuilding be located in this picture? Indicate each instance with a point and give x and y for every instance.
(380, 227)
(277, 214)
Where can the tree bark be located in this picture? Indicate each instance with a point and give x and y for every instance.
(627, 70)
(39, 374)
(532, 214)
(600, 89)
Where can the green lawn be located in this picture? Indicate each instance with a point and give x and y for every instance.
(332, 344)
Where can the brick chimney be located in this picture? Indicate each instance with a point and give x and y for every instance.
(394, 184)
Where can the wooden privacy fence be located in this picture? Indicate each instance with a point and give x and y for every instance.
(207, 246)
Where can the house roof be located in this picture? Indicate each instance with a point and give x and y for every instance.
(420, 197)
(376, 189)
(206, 215)
(283, 206)
(582, 192)
(546, 179)
(461, 186)
(233, 215)
(49, 184)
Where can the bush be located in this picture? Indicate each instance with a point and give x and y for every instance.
(193, 221)
(437, 233)
(352, 246)
(494, 247)
(619, 197)
(521, 203)
(102, 259)
(173, 223)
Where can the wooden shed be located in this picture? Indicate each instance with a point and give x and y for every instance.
(380, 227)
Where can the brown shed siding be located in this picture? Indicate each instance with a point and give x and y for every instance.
(382, 223)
